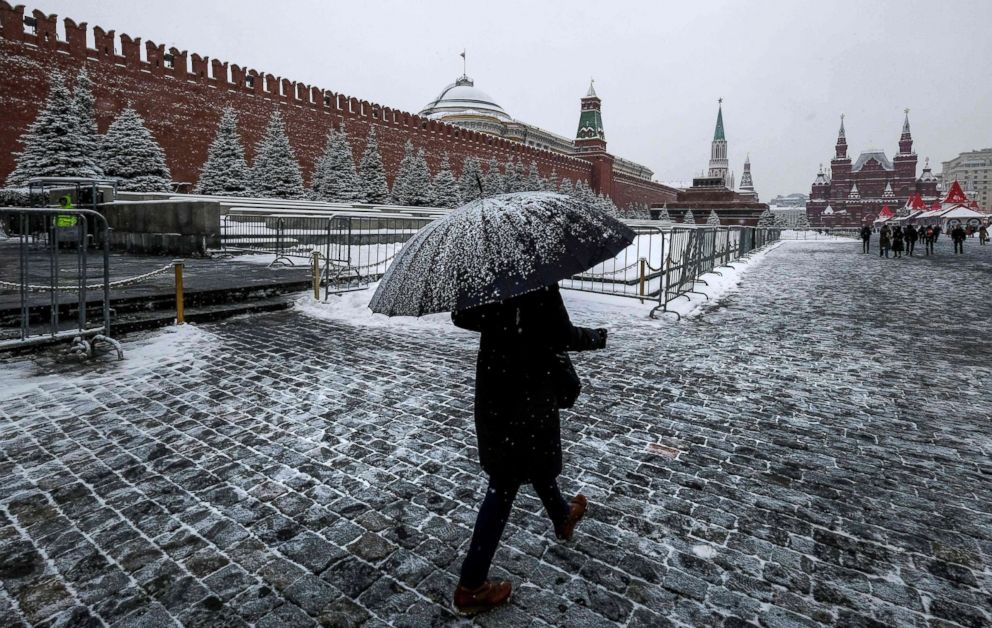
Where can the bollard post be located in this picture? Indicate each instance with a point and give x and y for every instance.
(643, 265)
(316, 275)
(180, 309)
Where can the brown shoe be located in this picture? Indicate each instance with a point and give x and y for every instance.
(488, 596)
(575, 512)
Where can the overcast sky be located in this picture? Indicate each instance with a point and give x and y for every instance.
(786, 70)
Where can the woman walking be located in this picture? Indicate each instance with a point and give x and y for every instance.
(884, 241)
(897, 242)
(520, 380)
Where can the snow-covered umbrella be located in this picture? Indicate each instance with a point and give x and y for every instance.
(494, 248)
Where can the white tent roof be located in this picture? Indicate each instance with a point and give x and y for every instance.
(962, 212)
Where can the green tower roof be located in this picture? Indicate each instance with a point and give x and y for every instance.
(590, 125)
(718, 133)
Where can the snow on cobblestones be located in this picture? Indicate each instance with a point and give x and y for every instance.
(784, 457)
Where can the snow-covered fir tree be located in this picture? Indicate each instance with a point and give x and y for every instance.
(275, 173)
(780, 222)
(422, 192)
(334, 178)
(550, 184)
(766, 219)
(375, 189)
(49, 145)
(493, 182)
(130, 153)
(534, 183)
(663, 215)
(566, 187)
(446, 189)
(470, 180)
(513, 177)
(688, 218)
(225, 172)
(713, 220)
(606, 204)
(403, 184)
(87, 136)
(802, 223)
(584, 193)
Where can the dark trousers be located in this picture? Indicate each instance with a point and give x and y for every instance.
(864, 245)
(958, 246)
(929, 242)
(910, 246)
(884, 250)
(493, 514)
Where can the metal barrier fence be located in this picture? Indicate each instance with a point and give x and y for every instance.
(353, 249)
(665, 263)
(59, 240)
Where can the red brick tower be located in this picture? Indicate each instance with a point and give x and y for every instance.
(590, 143)
(905, 163)
(840, 172)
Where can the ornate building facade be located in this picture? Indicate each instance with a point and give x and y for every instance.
(855, 193)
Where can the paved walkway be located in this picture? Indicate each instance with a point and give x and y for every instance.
(814, 449)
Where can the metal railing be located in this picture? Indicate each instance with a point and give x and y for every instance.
(59, 241)
(666, 262)
(353, 249)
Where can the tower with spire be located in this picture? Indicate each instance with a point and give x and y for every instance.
(719, 166)
(747, 185)
(905, 162)
(590, 142)
(591, 134)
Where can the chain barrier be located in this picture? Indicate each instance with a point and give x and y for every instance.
(99, 286)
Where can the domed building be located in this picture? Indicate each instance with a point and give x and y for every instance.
(463, 104)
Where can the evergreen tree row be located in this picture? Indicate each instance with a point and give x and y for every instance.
(63, 141)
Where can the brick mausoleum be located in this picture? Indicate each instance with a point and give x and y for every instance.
(853, 194)
(181, 97)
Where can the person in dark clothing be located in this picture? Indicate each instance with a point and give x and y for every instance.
(936, 232)
(958, 235)
(884, 241)
(897, 241)
(929, 237)
(865, 238)
(911, 236)
(517, 424)
(983, 235)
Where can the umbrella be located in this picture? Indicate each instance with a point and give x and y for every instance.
(495, 248)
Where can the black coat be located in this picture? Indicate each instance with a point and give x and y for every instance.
(516, 408)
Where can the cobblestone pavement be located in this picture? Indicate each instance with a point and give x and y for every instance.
(813, 449)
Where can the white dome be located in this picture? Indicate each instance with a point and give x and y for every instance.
(463, 97)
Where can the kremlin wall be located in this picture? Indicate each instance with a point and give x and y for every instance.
(181, 97)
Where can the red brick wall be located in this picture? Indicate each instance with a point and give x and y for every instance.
(182, 105)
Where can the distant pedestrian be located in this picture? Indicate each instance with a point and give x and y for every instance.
(884, 241)
(929, 236)
(958, 235)
(983, 235)
(865, 238)
(970, 231)
(912, 235)
(936, 232)
(517, 396)
(897, 242)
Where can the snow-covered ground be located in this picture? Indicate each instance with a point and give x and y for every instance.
(183, 345)
(584, 307)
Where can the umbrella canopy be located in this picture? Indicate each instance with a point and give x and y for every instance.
(495, 248)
